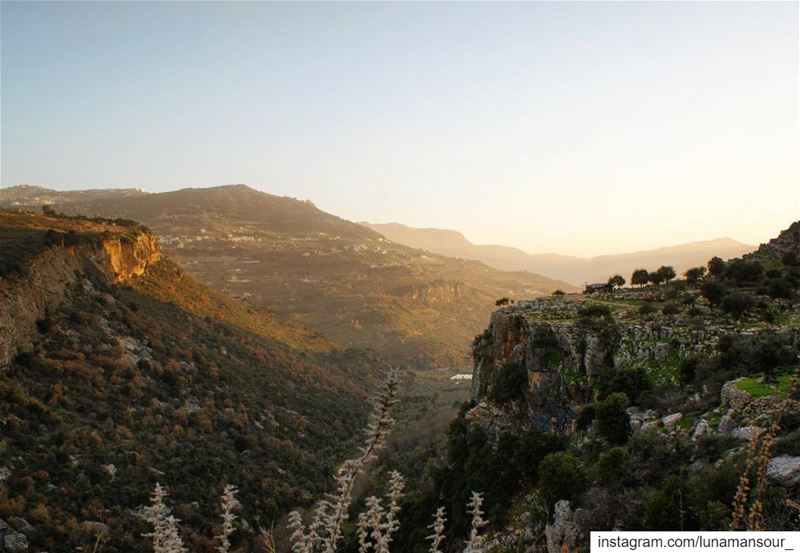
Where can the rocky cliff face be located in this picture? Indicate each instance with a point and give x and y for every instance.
(47, 280)
(562, 353)
(788, 241)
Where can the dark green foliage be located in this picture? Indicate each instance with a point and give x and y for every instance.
(561, 476)
(472, 464)
(670, 309)
(612, 466)
(744, 272)
(210, 403)
(688, 369)
(716, 266)
(772, 353)
(595, 311)
(737, 304)
(646, 309)
(634, 382)
(613, 422)
(780, 288)
(713, 292)
(767, 353)
(508, 383)
(667, 509)
(655, 277)
(666, 273)
(640, 277)
(585, 417)
(695, 274)
(616, 281)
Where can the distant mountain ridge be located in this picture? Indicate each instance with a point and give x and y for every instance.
(575, 270)
(338, 277)
(14, 196)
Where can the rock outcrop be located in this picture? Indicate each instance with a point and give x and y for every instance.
(47, 279)
(784, 470)
(563, 534)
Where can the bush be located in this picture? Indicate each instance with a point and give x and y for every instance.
(613, 421)
(561, 476)
(744, 272)
(671, 309)
(688, 369)
(716, 266)
(585, 417)
(780, 288)
(633, 382)
(713, 292)
(612, 466)
(737, 304)
(594, 311)
(666, 510)
(509, 382)
(695, 274)
(646, 309)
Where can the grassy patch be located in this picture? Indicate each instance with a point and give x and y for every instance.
(755, 386)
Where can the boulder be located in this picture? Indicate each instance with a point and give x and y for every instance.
(726, 423)
(701, 429)
(22, 525)
(670, 421)
(746, 432)
(15, 543)
(784, 470)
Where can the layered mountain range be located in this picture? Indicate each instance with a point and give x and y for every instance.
(350, 283)
(575, 270)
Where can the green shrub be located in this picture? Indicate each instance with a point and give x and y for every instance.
(585, 417)
(671, 309)
(780, 288)
(594, 311)
(633, 382)
(561, 476)
(509, 383)
(713, 292)
(667, 509)
(612, 466)
(613, 421)
(737, 304)
(646, 309)
(744, 272)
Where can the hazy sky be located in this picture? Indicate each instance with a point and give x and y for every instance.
(582, 128)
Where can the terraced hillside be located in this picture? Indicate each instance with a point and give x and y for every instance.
(342, 279)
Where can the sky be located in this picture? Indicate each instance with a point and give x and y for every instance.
(569, 127)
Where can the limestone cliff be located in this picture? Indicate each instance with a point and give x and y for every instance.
(46, 280)
(562, 352)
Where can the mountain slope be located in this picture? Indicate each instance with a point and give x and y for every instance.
(787, 243)
(575, 270)
(129, 372)
(340, 278)
(37, 195)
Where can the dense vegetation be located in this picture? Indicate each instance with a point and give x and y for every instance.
(166, 381)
